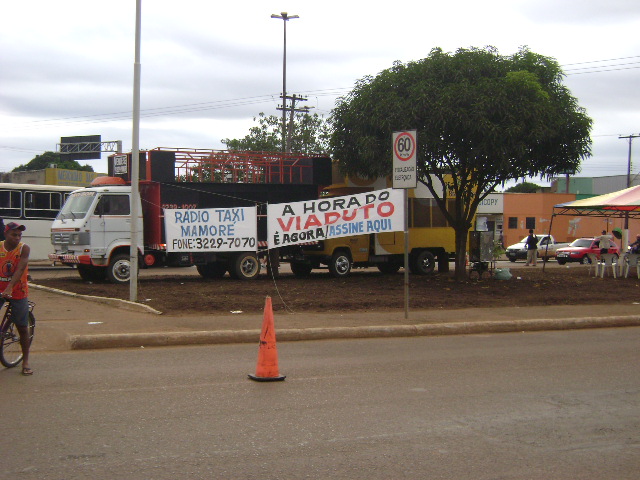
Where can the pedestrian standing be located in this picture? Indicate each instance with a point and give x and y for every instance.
(532, 249)
(605, 242)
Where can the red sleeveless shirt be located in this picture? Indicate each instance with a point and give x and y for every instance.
(8, 263)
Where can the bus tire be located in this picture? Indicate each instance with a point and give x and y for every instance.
(246, 266)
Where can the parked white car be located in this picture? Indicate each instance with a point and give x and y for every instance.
(547, 247)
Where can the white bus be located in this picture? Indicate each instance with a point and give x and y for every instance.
(35, 207)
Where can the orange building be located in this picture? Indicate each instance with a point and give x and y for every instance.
(523, 211)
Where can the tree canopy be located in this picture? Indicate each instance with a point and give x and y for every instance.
(524, 187)
(40, 162)
(481, 119)
(309, 134)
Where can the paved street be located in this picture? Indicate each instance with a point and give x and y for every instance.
(561, 405)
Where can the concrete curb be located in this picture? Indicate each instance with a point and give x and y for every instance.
(116, 302)
(86, 342)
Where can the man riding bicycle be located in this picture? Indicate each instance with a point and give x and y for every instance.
(14, 288)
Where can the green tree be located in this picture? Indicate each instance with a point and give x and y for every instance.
(481, 119)
(524, 187)
(310, 134)
(40, 162)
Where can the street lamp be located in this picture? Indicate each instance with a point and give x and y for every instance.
(285, 18)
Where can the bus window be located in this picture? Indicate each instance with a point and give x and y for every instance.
(10, 204)
(41, 204)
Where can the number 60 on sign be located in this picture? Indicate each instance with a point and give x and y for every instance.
(404, 159)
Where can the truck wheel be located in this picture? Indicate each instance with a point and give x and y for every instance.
(561, 261)
(119, 269)
(340, 264)
(246, 266)
(301, 269)
(388, 268)
(212, 270)
(423, 264)
(584, 260)
(90, 273)
(513, 260)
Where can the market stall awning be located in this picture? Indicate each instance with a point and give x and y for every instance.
(615, 204)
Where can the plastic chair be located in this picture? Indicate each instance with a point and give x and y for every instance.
(594, 262)
(631, 260)
(608, 260)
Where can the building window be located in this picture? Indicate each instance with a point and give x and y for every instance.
(531, 223)
(513, 222)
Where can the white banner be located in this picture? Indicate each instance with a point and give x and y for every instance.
(211, 229)
(312, 220)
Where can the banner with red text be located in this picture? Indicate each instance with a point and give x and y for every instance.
(313, 220)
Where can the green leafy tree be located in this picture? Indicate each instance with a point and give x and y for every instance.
(481, 119)
(40, 162)
(524, 187)
(310, 135)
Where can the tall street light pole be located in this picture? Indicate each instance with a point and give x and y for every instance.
(285, 18)
(135, 163)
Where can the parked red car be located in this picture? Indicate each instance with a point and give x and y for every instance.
(578, 249)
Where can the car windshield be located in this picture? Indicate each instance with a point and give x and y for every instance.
(540, 239)
(581, 242)
(77, 205)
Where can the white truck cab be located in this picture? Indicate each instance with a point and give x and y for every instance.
(93, 232)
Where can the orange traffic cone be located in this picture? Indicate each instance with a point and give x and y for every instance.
(267, 367)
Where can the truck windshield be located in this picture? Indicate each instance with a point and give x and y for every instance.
(77, 205)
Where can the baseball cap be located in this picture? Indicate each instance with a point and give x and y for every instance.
(14, 226)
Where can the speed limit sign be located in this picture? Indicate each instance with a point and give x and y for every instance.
(405, 151)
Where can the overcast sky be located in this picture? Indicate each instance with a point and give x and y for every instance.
(208, 67)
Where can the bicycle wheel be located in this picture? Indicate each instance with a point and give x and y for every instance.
(10, 349)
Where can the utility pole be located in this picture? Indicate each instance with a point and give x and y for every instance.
(294, 98)
(285, 18)
(630, 138)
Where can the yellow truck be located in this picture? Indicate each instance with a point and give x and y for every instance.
(431, 242)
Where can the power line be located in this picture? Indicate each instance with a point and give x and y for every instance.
(600, 61)
(255, 100)
(601, 71)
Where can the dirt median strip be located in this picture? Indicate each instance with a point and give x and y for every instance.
(88, 342)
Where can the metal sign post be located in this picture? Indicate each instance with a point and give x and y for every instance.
(405, 177)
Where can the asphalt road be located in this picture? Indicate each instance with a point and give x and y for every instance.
(560, 405)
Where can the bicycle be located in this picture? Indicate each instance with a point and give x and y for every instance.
(10, 349)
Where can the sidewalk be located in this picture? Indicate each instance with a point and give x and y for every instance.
(70, 322)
